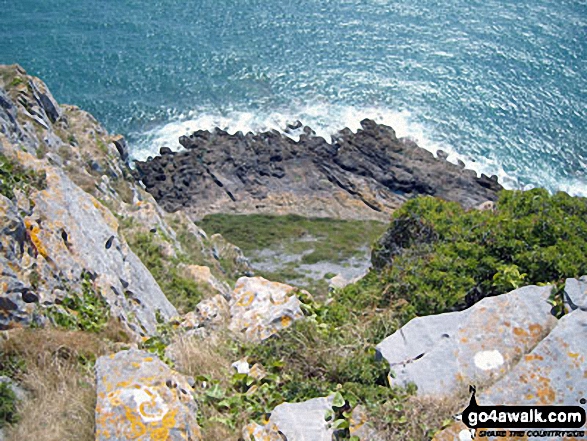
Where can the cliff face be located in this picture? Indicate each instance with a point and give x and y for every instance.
(363, 175)
(68, 208)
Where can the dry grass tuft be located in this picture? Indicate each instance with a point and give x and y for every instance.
(195, 356)
(59, 379)
(424, 416)
(212, 357)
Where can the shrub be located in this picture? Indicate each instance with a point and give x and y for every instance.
(438, 257)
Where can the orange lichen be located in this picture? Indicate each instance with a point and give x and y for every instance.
(286, 321)
(33, 234)
(532, 357)
(545, 392)
(535, 329)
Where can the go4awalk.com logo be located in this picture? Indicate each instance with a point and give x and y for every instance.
(554, 422)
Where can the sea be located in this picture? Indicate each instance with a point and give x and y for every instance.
(499, 84)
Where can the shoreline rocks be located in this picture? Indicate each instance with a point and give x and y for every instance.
(362, 175)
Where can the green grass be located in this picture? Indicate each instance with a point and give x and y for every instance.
(332, 240)
(182, 292)
(14, 176)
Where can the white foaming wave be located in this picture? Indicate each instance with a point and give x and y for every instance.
(327, 120)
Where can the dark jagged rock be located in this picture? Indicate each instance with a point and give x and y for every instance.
(358, 175)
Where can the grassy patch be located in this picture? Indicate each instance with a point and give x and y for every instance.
(14, 176)
(56, 370)
(87, 311)
(332, 240)
(184, 293)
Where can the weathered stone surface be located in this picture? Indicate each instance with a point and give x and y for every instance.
(443, 353)
(231, 254)
(209, 313)
(576, 293)
(360, 426)
(358, 175)
(202, 275)
(294, 422)
(73, 232)
(555, 372)
(141, 398)
(260, 308)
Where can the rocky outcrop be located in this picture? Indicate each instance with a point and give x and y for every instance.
(445, 353)
(363, 175)
(552, 373)
(260, 308)
(295, 422)
(141, 398)
(256, 310)
(69, 208)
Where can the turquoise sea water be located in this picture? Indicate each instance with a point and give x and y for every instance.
(502, 83)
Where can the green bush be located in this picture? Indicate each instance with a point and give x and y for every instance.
(438, 257)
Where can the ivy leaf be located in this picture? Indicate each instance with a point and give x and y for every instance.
(338, 400)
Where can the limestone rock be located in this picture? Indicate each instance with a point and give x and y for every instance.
(209, 313)
(235, 261)
(576, 293)
(75, 232)
(445, 352)
(260, 308)
(141, 398)
(202, 275)
(555, 372)
(294, 422)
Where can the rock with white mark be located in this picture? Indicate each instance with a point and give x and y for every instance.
(295, 422)
(476, 346)
(141, 398)
(260, 308)
(555, 372)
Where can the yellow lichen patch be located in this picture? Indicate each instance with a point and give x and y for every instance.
(34, 231)
(106, 214)
(286, 321)
(573, 354)
(535, 329)
(246, 299)
(545, 392)
(532, 357)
